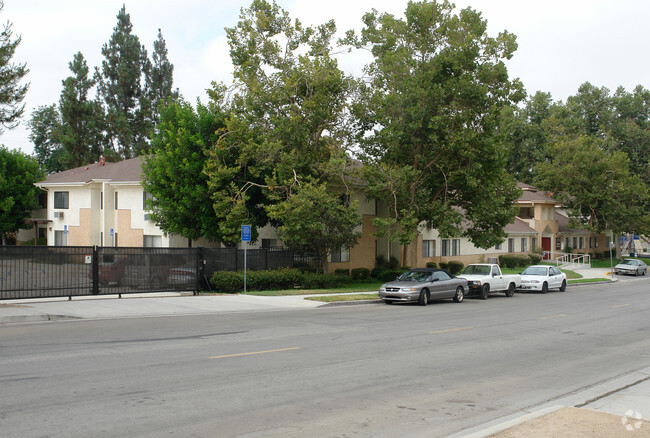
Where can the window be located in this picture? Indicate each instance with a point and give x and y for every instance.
(567, 243)
(146, 196)
(271, 243)
(441, 275)
(152, 241)
(524, 244)
(115, 200)
(428, 248)
(342, 255)
(445, 247)
(60, 238)
(533, 244)
(575, 243)
(582, 242)
(511, 245)
(61, 200)
(101, 200)
(498, 246)
(42, 200)
(455, 247)
(594, 242)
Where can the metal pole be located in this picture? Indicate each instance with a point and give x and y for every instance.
(245, 245)
(611, 262)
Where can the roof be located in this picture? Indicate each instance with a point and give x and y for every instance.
(563, 225)
(123, 171)
(519, 226)
(533, 194)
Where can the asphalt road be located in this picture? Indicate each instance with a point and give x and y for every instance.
(353, 371)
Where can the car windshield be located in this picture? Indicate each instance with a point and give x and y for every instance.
(414, 276)
(477, 270)
(627, 262)
(534, 271)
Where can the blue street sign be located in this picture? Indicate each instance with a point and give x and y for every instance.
(65, 229)
(112, 232)
(245, 233)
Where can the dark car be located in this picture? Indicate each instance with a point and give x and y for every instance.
(424, 285)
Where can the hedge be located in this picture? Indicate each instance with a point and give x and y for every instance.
(284, 278)
(360, 273)
(432, 265)
(455, 267)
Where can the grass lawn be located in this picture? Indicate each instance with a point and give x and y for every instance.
(352, 287)
(338, 298)
(589, 280)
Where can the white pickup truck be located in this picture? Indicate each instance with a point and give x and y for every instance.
(483, 278)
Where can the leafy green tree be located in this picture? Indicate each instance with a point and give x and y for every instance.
(82, 120)
(312, 218)
(287, 126)
(120, 86)
(595, 186)
(173, 172)
(430, 115)
(12, 92)
(45, 128)
(18, 173)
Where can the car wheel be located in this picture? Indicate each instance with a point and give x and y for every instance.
(644, 271)
(485, 291)
(563, 287)
(545, 288)
(511, 290)
(459, 296)
(424, 297)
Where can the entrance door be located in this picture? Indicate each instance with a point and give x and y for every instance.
(546, 246)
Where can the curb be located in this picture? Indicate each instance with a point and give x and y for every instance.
(13, 319)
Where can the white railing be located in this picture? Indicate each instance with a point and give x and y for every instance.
(573, 261)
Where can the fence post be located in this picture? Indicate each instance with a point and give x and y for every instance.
(95, 270)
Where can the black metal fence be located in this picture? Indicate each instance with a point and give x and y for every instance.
(47, 271)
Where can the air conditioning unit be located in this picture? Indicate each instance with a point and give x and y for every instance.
(147, 217)
(58, 215)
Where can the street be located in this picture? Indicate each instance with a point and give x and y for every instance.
(363, 370)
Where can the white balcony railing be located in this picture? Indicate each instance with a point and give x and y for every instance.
(573, 261)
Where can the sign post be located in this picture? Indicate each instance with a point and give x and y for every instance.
(245, 237)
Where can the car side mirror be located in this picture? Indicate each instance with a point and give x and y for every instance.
(434, 279)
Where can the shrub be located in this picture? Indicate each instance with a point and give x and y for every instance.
(381, 262)
(432, 265)
(444, 265)
(507, 261)
(522, 261)
(390, 275)
(455, 267)
(227, 281)
(535, 258)
(341, 271)
(360, 273)
(378, 272)
(322, 281)
(393, 264)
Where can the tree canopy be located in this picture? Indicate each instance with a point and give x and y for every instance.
(12, 92)
(18, 194)
(429, 118)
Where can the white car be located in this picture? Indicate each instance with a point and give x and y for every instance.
(542, 278)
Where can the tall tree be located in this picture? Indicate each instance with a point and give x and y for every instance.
(120, 86)
(12, 92)
(173, 172)
(429, 119)
(82, 120)
(287, 127)
(18, 173)
(595, 186)
(45, 129)
(161, 78)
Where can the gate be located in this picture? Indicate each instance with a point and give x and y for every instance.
(65, 271)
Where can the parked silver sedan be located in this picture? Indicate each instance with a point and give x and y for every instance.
(631, 266)
(423, 286)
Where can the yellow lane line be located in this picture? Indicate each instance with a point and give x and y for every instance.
(451, 330)
(254, 352)
(554, 316)
(620, 305)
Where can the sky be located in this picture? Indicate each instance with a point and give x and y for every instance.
(562, 43)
